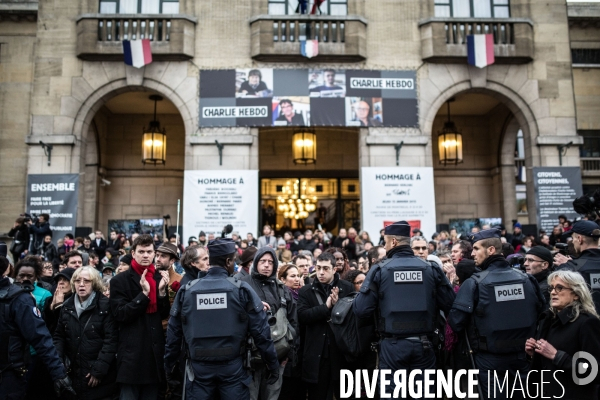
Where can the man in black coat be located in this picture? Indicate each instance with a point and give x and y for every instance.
(538, 263)
(99, 244)
(114, 241)
(139, 302)
(321, 359)
(308, 243)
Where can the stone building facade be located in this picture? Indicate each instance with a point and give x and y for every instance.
(63, 82)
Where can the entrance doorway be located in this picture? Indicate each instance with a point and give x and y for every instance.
(300, 203)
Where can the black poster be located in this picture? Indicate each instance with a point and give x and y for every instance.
(56, 195)
(555, 190)
(308, 97)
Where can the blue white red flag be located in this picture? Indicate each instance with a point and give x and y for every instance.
(309, 48)
(137, 52)
(480, 50)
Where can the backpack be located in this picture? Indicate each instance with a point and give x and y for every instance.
(352, 337)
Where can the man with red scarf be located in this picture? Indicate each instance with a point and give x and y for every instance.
(139, 302)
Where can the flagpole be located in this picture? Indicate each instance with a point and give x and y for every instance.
(177, 226)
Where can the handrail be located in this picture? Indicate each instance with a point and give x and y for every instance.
(477, 20)
(307, 17)
(137, 16)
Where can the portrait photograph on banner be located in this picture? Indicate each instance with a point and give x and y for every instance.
(254, 82)
(291, 111)
(326, 82)
(364, 111)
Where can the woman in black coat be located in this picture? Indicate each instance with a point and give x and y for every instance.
(86, 336)
(570, 325)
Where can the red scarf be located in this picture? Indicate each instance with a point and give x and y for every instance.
(152, 307)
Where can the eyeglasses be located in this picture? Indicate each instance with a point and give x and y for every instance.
(559, 288)
(531, 260)
(420, 248)
(83, 281)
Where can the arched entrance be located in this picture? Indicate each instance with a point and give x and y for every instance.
(488, 181)
(117, 186)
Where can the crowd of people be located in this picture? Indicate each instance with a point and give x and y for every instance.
(114, 318)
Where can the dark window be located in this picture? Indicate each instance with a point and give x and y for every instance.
(591, 144)
(585, 56)
(139, 6)
(290, 7)
(319, 188)
(351, 188)
(472, 8)
(279, 188)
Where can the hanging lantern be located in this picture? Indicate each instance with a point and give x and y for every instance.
(154, 140)
(304, 147)
(450, 142)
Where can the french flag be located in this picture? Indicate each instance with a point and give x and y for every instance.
(480, 50)
(137, 52)
(309, 48)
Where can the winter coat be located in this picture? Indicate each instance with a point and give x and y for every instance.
(318, 337)
(39, 231)
(20, 233)
(568, 337)
(141, 341)
(49, 252)
(90, 344)
(269, 288)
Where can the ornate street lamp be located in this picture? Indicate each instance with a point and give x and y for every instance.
(304, 146)
(450, 142)
(154, 140)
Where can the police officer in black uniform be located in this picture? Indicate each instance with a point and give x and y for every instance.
(214, 316)
(21, 325)
(585, 236)
(408, 293)
(499, 307)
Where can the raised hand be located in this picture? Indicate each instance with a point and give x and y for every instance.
(144, 283)
(164, 281)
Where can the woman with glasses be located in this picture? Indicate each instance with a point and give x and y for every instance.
(571, 325)
(86, 337)
(47, 273)
(356, 277)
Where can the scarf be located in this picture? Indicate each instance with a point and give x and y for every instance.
(294, 293)
(80, 307)
(152, 306)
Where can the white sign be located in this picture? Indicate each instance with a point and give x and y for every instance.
(211, 301)
(214, 198)
(509, 292)
(390, 194)
(381, 83)
(408, 276)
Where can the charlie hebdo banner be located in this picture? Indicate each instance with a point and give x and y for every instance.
(214, 198)
(308, 97)
(56, 195)
(393, 194)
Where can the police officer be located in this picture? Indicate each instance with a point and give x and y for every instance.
(21, 325)
(585, 236)
(499, 307)
(214, 315)
(401, 288)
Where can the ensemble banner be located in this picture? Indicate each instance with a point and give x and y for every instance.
(56, 195)
(213, 199)
(307, 97)
(555, 189)
(390, 194)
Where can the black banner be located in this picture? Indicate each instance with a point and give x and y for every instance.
(56, 195)
(308, 97)
(555, 190)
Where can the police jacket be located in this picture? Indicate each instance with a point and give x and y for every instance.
(90, 343)
(255, 320)
(269, 289)
(21, 325)
(406, 291)
(588, 265)
(499, 306)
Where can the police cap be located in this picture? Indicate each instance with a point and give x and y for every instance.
(400, 228)
(585, 228)
(486, 234)
(221, 247)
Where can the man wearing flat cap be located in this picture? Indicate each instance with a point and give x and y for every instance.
(214, 315)
(498, 307)
(538, 263)
(585, 236)
(400, 289)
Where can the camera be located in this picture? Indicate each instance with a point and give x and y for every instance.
(28, 218)
(271, 320)
(517, 262)
(563, 248)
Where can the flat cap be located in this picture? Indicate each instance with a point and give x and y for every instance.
(486, 234)
(585, 228)
(169, 248)
(221, 247)
(400, 228)
(66, 273)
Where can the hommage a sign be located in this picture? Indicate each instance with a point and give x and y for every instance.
(213, 199)
(307, 97)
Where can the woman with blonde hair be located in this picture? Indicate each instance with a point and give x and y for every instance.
(571, 325)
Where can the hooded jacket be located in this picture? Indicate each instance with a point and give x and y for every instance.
(268, 287)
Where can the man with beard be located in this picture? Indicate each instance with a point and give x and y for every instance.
(538, 263)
